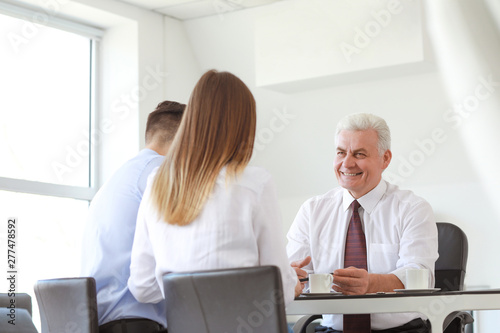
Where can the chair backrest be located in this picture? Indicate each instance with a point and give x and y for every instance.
(15, 311)
(67, 305)
(21, 300)
(230, 300)
(452, 262)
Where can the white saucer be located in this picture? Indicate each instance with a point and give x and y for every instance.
(322, 294)
(431, 290)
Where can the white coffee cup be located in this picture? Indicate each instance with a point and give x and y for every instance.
(417, 278)
(320, 283)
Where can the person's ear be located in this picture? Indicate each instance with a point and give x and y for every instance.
(387, 157)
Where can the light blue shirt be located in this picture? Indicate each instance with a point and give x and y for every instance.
(108, 239)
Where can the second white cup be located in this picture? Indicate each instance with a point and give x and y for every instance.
(320, 283)
(417, 278)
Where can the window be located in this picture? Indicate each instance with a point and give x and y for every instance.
(45, 108)
(46, 120)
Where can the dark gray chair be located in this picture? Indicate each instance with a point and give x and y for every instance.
(450, 270)
(230, 300)
(16, 313)
(67, 305)
(22, 301)
(449, 275)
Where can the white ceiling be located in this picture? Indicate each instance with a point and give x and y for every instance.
(190, 9)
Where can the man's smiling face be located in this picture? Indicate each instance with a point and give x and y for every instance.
(358, 165)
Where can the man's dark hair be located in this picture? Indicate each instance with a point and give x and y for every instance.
(164, 121)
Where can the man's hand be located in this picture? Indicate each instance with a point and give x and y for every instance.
(355, 281)
(351, 281)
(298, 288)
(297, 266)
(301, 274)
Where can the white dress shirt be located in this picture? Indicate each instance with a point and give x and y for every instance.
(239, 226)
(400, 232)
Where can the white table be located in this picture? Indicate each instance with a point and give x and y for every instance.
(436, 306)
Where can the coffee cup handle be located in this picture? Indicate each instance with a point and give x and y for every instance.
(330, 280)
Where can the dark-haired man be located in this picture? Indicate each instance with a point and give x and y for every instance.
(110, 229)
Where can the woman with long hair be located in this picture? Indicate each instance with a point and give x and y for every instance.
(205, 208)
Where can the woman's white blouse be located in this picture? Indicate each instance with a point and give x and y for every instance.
(239, 226)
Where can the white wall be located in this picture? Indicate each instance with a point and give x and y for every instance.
(182, 68)
(299, 149)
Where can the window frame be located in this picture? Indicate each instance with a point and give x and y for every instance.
(51, 18)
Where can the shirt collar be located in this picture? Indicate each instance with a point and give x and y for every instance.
(147, 151)
(367, 201)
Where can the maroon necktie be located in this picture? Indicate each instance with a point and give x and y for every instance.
(355, 255)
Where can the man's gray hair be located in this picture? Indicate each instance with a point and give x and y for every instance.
(367, 121)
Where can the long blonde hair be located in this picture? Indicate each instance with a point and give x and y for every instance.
(216, 131)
